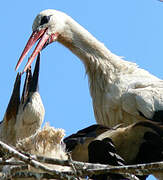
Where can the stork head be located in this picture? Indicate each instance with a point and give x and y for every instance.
(47, 27)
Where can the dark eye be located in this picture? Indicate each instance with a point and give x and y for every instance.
(44, 20)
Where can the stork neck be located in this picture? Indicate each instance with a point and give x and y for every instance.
(95, 56)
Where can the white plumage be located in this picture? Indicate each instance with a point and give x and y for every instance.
(31, 110)
(121, 91)
(30, 119)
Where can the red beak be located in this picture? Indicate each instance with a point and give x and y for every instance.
(36, 35)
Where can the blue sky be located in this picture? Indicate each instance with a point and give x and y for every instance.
(132, 29)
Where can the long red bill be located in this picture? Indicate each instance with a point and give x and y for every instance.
(37, 49)
(36, 35)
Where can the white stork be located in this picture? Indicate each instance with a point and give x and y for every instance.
(23, 117)
(121, 91)
(31, 109)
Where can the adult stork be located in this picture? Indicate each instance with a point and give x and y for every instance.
(24, 116)
(121, 91)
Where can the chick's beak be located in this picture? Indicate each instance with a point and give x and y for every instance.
(31, 81)
(45, 39)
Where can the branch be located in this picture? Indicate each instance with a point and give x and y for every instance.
(28, 175)
(139, 169)
(34, 175)
(81, 169)
(8, 172)
(11, 163)
(33, 162)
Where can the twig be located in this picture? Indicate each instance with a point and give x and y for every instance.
(131, 176)
(139, 169)
(33, 162)
(13, 169)
(11, 163)
(34, 175)
(76, 164)
(81, 169)
(72, 165)
(8, 171)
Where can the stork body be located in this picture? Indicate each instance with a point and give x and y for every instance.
(78, 143)
(121, 91)
(138, 143)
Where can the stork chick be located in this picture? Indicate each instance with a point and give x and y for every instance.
(23, 117)
(121, 91)
(31, 109)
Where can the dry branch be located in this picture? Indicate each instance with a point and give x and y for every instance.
(11, 163)
(81, 169)
(5, 148)
(139, 169)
